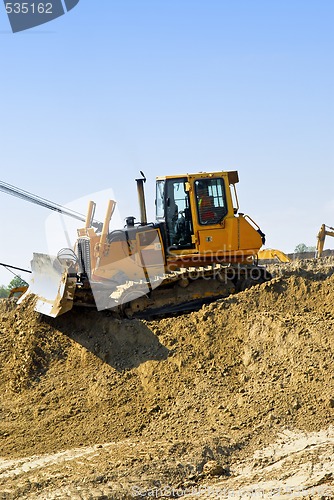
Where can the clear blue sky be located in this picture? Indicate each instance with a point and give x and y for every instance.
(169, 87)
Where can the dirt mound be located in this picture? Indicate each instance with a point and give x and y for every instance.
(213, 385)
(29, 345)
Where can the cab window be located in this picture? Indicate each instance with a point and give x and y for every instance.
(178, 216)
(159, 200)
(210, 200)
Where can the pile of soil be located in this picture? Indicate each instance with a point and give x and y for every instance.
(170, 396)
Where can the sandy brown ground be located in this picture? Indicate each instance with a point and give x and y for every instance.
(233, 401)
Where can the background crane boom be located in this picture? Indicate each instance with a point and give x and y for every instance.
(43, 202)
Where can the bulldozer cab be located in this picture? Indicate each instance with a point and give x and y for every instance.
(191, 204)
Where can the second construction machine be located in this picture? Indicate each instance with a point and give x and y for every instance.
(323, 232)
(199, 249)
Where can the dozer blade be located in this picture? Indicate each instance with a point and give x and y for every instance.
(51, 285)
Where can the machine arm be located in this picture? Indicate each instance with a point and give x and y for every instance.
(324, 231)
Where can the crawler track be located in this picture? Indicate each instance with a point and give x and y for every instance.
(181, 291)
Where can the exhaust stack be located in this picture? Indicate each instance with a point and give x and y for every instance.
(141, 199)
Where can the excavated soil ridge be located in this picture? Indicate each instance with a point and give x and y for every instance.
(213, 385)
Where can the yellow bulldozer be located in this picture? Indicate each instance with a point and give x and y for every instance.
(198, 249)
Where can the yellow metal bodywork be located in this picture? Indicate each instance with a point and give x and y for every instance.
(128, 257)
(273, 254)
(17, 292)
(235, 239)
